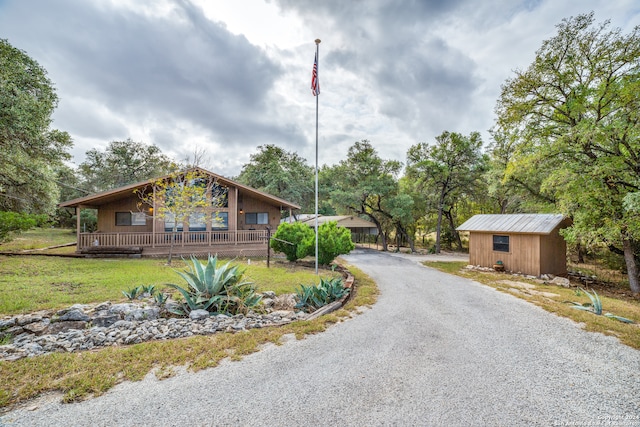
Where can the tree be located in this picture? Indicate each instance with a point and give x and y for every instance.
(446, 171)
(281, 173)
(575, 114)
(122, 163)
(364, 183)
(296, 240)
(180, 197)
(29, 148)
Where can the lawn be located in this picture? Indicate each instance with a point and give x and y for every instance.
(31, 283)
(557, 299)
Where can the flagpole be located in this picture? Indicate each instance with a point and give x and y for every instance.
(317, 96)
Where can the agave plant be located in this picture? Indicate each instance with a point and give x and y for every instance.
(217, 289)
(311, 298)
(595, 306)
(132, 293)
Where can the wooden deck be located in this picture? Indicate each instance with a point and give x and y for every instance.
(201, 243)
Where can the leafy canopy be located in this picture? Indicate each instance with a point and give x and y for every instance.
(30, 149)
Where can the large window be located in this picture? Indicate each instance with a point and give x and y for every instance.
(197, 221)
(501, 243)
(169, 221)
(257, 218)
(220, 196)
(220, 221)
(131, 218)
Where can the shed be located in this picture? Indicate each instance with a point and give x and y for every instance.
(525, 243)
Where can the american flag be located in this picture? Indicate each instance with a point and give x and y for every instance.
(315, 83)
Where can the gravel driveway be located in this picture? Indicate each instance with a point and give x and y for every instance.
(436, 350)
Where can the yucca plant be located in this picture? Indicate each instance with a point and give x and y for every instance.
(217, 289)
(311, 298)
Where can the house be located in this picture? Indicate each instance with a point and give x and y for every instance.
(526, 243)
(239, 225)
(361, 229)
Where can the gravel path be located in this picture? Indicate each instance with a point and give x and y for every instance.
(436, 350)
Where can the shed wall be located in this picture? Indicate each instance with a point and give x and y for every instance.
(523, 255)
(553, 254)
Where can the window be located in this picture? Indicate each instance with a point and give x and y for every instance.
(219, 196)
(257, 218)
(131, 218)
(220, 221)
(169, 221)
(197, 222)
(501, 243)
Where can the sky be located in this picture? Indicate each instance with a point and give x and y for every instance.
(227, 76)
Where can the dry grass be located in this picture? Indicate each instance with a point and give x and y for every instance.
(557, 299)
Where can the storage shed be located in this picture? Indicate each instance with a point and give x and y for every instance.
(525, 243)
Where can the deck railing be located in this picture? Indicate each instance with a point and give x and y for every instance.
(181, 238)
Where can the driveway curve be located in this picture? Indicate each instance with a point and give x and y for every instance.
(435, 350)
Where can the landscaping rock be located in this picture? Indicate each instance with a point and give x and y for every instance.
(199, 315)
(7, 323)
(285, 302)
(57, 327)
(75, 315)
(562, 281)
(105, 320)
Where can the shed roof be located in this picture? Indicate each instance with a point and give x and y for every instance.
(513, 223)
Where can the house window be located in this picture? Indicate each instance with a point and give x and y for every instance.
(257, 218)
(169, 222)
(501, 243)
(197, 222)
(220, 221)
(220, 196)
(131, 218)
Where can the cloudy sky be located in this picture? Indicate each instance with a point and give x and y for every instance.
(230, 75)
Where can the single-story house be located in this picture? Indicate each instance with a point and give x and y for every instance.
(238, 225)
(525, 243)
(360, 228)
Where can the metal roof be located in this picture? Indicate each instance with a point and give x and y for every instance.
(513, 223)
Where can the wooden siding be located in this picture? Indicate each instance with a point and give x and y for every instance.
(107, 217)
(253, 205)
(532, 254)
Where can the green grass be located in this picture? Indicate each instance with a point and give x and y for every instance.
(628, 307)
(32, 283)
(81, 375)
(39, 238)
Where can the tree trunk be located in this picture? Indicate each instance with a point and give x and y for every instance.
(438, 228)
(173, 239)
(455, 233)
(632, 265)
(580, 251)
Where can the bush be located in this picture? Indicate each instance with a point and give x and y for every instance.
(15, 222)
(332, 241)
(300, 238)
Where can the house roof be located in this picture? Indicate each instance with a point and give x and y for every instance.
(513, 223)
(348, 221)
(98, 199)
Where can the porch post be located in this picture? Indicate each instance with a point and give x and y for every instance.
(153, 218)
(78, 228)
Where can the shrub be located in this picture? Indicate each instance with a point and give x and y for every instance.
(217, 289)
(332, 241)
(311, 298)
(15, 222)
(295, 240)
